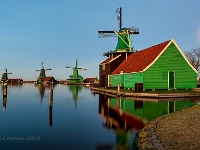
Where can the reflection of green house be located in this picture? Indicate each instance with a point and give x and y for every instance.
(126, 116)
(162, 66)
(147, 110)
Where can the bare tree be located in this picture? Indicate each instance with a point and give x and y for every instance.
(193, 57)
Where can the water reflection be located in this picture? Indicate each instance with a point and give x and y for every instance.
(75, 89)
(119, 120)
(41, 88)
(50, 106)
(124, 115)
(4, 89)
(59, 125)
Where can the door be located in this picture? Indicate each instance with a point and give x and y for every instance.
(171, 79)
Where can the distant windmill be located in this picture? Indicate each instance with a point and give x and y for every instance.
(5, 76)
(76, 78)
(42, 73)
(124, 35)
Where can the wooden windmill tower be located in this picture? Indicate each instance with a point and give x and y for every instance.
(124, 36)
(4, 77)
(120, 53)
(75, 78)
(42, 74)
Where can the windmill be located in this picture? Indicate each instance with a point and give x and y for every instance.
(42, 73)
(124, 35)
(76, 78)
(4, 77)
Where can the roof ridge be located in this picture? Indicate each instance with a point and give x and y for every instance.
(140, 60)
(157, 44)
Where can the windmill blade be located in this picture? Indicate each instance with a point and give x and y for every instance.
(101, 32)
(106, 34)
(42, 65)
(134, 30)
(76, 62)
(37, 70)
(7, 71)
(48, 69)
(69, 67)
(81, 68)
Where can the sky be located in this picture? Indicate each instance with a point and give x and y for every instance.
(56, 32)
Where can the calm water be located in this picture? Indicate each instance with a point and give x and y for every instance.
(70, 117)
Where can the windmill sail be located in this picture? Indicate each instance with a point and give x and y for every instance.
(124, 35)
(4, 77)
(76, 78)
(106, 34)
(42, 73)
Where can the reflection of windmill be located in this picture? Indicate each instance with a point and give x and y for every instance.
(5, 76)
(41, 89)
(75, 89)
(124, 35)
(42, 74)
(4, 91)
(76, 78)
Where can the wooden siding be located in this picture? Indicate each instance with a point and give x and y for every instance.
(115, 79)
(156, 77)
(104, 70)
(126, 80)
(132, 78)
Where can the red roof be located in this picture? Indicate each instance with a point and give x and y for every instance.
(88, 80)
(48, 78)
(138, 61)
(14, 80)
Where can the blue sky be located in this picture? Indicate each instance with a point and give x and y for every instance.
(57, 32)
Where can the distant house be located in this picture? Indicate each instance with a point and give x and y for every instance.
(90, 80)
(49, 79)
(15, 81)
(162, 66)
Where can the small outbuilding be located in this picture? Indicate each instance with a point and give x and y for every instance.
(13, 81)
(162, 66)
(49, 79)
(90, 80)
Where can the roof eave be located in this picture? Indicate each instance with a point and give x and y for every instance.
(127, 73)
(184, 56)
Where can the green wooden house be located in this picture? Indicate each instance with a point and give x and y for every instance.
(162, 66)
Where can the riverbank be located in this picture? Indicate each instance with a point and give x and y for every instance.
(166, 94)
(179, 130)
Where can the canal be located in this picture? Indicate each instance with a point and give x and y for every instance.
(71, 117)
